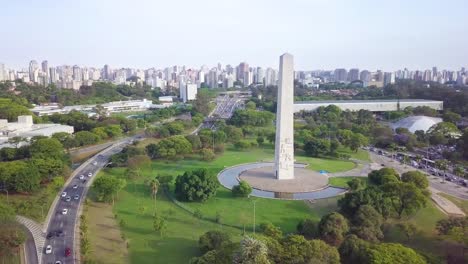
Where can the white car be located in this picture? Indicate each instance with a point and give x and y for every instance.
(75, 186)
(48, 249)
(68, 199)
(58, 262)
(77, 197)
(95, 163)
(65, 211)
(81, 177)
(64, 194)
(90, 174)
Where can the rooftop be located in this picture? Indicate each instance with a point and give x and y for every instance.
(366, 101)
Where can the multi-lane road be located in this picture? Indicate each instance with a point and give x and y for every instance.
(60, 234)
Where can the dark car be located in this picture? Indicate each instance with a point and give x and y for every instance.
(58, 233)
(448, 178)
(67, 252)
(50, 235)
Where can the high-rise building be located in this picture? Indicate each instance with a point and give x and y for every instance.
(188, 92)
(106, 73)
(389, 78)
(353, 75)
(77, 73)
(213, 78)
(260, 76)
(241, 70)
(271, 77)
(2, 72)
(365, 76)
(248, 78)
(53, 75)
(45, 67)
(341, 75)
(33, 74)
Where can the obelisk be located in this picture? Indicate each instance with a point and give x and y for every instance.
(284, 144)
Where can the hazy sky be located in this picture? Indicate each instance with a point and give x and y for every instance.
(321, 34)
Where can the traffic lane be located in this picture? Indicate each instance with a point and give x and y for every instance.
(29, 247)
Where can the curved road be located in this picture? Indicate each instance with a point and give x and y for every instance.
(65, 223)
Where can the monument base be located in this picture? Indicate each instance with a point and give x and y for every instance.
(264, 178)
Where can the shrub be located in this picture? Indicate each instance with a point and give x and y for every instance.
(243, 189)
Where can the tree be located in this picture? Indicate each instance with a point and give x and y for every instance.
(383, 176)
(408, 229)
(207, 154)
(213, 240)
(308, 228)
(197, 185)
(451, 117)
(448, 130)
(243, 189)
(11, 233)
(154, 186)
(315, 147)
(442, 165)
(159, 224)
(250, 105)
(195, 141)
(367, 224)
(270, 230)
(107, 187)
(202, 102)
(84, 138)
(296, 249)
(416, 177)
(47, 148)
(393, 253)
(372, 195)
(354, 250)
(332, 228)
(355, 184)
(405, 198)
(251, 251)
(459, 171)
(16, 141)
(358, 140)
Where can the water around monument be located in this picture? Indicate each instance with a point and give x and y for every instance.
(229, 178)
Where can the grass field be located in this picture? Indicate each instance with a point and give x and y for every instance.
(105, 236)
(343, 181)
(179, 242)
(425, 240)
(11, 258)
(462, 204)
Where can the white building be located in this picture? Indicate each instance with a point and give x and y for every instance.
(370, 105)
(25, 128)
(414, 123)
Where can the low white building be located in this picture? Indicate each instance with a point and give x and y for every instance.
(370, 105)
(25, 128)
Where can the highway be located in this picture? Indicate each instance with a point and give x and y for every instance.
(60, 232)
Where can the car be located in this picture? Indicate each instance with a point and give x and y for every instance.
(448, 178)
(90, 174)
(64, 194)
(58, 262)
(81, 177)
(67, 252)
(77, 197)
(48, 249)
(75, 186)
(50, 235)
(58, 233)
(464, 183)
(383, 165)
(65, 211)
(95, 163)
(68, 199)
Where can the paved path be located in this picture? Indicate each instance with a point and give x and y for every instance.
(35, 250)
(446, 205)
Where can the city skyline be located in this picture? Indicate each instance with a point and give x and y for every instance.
(323, 34)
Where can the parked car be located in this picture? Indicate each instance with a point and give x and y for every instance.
(67, 252)
(48, 249)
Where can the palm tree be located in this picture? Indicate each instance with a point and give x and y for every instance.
(442, 165)
(154, 185)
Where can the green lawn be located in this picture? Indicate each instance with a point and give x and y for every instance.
(359, 155)
(179, 244)
(463, 204)
(343, 181)
(426, 240)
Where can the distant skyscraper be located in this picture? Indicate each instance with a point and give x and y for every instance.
(271, 77)
(365, 76)
(353, 75)
(77, 73)
(260, 75)
(53, 75)
(106, 72)
(389, 78)
(33, 66)
(241, 70)
(341, 75)
(2, 72)
(45, 67)
(213, 78)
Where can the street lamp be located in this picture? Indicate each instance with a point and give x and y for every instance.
(254, 202)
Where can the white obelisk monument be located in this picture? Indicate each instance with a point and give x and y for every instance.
(284, 144)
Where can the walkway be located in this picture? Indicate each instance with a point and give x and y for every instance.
(38, 237)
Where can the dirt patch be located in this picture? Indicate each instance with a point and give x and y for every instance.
(107, 244)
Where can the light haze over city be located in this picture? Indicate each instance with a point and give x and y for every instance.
(322, 34)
